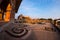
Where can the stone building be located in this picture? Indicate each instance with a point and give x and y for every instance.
(24, 19)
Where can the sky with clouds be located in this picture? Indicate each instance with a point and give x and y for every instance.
(40, 8)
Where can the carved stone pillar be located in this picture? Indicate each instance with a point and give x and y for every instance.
(12, 16)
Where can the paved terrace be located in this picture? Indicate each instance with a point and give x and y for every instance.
(41, 34)
(45, 31)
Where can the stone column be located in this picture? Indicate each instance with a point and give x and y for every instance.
(12, 16)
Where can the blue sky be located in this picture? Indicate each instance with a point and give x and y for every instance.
(40, 8)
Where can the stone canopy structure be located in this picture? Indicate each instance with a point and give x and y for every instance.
(8, 8)
(4, 4)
